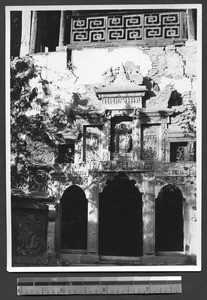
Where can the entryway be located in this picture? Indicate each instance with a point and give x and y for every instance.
(169, 219)
(120, 218)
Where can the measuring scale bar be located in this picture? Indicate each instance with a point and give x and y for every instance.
(99, 285)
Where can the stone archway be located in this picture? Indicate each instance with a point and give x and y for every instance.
(120, 218)
(74, 208)
(169, 219)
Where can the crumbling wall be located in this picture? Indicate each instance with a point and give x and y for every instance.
(165, 70)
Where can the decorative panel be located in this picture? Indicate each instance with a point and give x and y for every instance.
(182, 151)
(29, 231)
(123, 137)
(150, 142)
(135, 27)
(66, 153)
(92, 143)
(41, 154)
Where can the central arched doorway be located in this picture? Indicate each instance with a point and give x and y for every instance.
(120, 218)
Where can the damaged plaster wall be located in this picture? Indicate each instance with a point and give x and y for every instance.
(164, 69)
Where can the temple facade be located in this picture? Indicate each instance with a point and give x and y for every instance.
(117, 184)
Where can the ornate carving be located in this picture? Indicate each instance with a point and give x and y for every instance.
(120, 178)
(164, 142)
(161, 99)
(176, 180)
(29, 231)
(150, 176)
(41, 154)
(150, 142)
(125, 74)
(179, 151)
(66, 153)
(119, 28)
(93, 143)
(106, 155)
(123, 137)
(121, 165)
(192, 151)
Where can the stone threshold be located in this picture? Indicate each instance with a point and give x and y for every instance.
(67, 259)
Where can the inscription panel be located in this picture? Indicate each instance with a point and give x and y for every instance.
(121, 102)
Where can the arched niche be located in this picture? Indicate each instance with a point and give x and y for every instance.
(169, 223)
(73, 225)
(120, 218)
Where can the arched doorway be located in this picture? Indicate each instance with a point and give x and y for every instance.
(169, 219)
(74, 208)
(120, 218)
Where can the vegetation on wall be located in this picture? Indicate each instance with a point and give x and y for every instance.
(44, 111)
(32, 118)
(24, 125)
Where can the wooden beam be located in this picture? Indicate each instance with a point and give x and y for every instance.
(62, 28)
(25, 34)
(33, 32)
(191, 25)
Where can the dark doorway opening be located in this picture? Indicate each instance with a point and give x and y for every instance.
(169, 219)
(120, 218)
(74, 210)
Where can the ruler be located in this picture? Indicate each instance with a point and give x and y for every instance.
(99, 285)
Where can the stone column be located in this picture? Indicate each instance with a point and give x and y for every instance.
(92, 194)
(106, 141)
(164, 143)
(148, 216)
(51, 231)
(136, 139)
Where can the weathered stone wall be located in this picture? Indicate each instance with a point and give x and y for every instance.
(161, 67)
(29, 228)
(165, 70)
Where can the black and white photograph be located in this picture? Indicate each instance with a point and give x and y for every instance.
(103, 138)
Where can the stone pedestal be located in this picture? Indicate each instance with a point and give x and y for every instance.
(148, 217)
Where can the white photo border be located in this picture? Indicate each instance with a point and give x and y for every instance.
(162, 268)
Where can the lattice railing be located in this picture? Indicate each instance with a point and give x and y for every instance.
(135, 27)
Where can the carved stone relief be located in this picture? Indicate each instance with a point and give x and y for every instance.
(123, 137)
(164, 143)
(93, 143)
(41, 154)
(150, 142)
(29, 231)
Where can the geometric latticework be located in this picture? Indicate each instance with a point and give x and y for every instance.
(134, 27)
